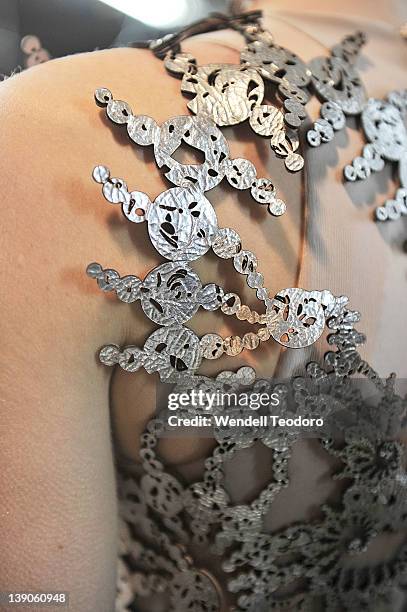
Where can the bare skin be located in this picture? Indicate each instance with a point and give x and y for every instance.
(65, 418)
(59, 406)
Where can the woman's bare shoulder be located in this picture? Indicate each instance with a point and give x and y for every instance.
(57, 475)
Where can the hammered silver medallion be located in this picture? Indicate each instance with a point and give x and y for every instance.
(295, 318)
(182, 224)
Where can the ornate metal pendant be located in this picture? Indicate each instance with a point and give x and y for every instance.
(384, 128)
(231, 94)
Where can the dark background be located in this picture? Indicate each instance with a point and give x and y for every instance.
(74, 26)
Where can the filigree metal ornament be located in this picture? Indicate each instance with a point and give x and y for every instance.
(225, 93)
(170, 293)
(296, 317)
(291, 76)
(230, 94)
(276, 63)
(182, 227)
(337, 83)
(165, 522)
(181, 221)
(318, 563)
(384, 127)
(31, 46)
(201, 134)
(169, 351)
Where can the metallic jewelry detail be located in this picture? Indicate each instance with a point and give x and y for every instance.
(225, 93)
(170, 351)
(240, 173)
(338, 85)
(297, 318)
(286, 145)
(229, 94)
(181, 221)
(302, 566)
(170, 293)
(276, 63)
(182, 227)
(286, 70)
(384, 128)
(199, 133)
(226, 243)
(31, 46)
(301, 555)
(336, 81)
(332, 120)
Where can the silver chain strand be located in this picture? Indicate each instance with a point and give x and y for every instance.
(201, 134)
(384, 127)
(337, 83)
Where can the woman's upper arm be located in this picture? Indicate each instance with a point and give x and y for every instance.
(58, 503)
(57, 508)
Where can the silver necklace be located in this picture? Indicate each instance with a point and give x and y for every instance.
(303, 565)
(231, 94)
(182, 227)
